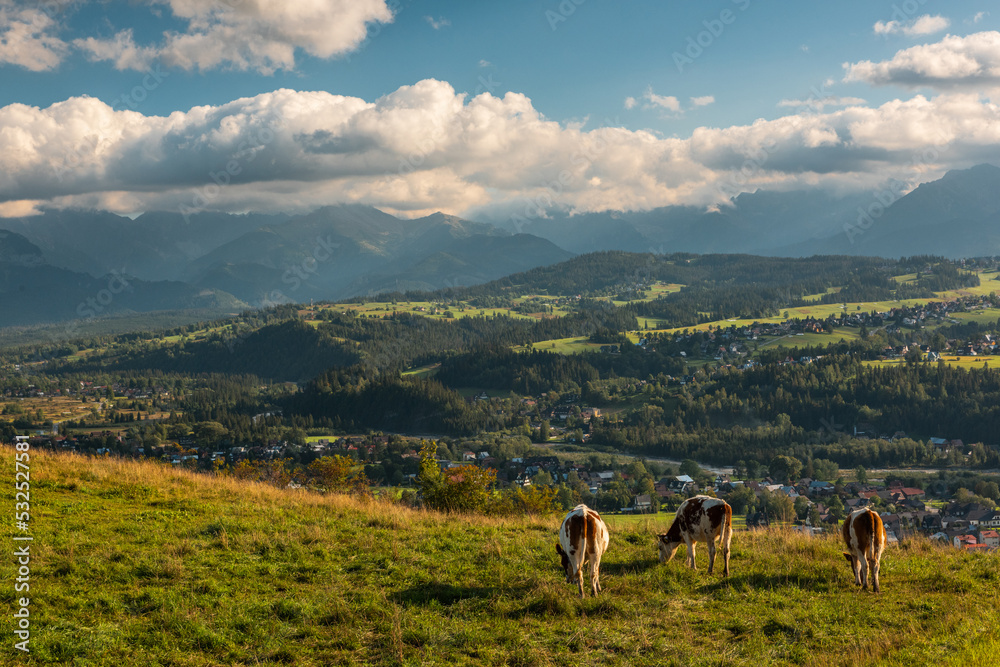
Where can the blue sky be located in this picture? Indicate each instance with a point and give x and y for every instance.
(483, 108)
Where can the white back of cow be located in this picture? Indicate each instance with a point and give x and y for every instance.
(864, 535)
(582, 535)
(699, 519)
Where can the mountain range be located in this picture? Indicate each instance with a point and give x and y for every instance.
(53, 265)
(65, 264)
(955, 216)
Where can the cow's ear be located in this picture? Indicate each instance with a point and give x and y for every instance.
(850, 559)
(559, 550)
(662, 537)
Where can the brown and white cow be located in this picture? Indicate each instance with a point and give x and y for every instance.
(864, 536)
(582, 535)
(699, 519)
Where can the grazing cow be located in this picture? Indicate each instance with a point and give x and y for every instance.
(582, 534)
(864, 536)
(704, 519)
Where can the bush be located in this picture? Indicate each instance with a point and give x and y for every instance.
(462, 489)
(337, 473)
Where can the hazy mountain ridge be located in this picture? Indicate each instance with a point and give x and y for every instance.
(337, 252)
(955, 216)
(331, 253)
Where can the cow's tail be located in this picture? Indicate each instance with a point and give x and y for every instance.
(870, 548)
(727, 527)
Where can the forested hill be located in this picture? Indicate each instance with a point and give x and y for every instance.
(275, 344)
(610, 272)
(715, 287)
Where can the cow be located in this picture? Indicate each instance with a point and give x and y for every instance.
(582, 535)
(701, 518)
(864, 536)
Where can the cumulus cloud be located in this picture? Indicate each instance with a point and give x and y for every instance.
(923, 25)
(954, 62)
(261, 35)
(631, 102)
(703, 101)
(426, 147)
(28, 39)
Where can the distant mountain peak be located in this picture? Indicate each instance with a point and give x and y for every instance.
(985, 169)
(15, 249)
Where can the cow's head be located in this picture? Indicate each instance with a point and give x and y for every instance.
(570, 573)
(668, 547)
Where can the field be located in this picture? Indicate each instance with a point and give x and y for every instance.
(137, 563)
(951, 360)
(56, 408)
(566, 345)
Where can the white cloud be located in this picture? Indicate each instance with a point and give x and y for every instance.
(668, 102)
(927, 25)
(261, 35)
(485, 63)
(923, 25)
(427, 147)
(631, 102)
(979, 16)
(819, 103)
(703, 101)
(438, 23)
(27, 38)
(121, 51)
(954, 62)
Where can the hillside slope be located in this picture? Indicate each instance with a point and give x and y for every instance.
(140, 563)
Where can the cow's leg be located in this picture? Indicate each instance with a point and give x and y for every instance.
(863, 567)
(856, 567)
(579, 573)
(873, 565)
(690, 546)
(595, 572)
(711, 555)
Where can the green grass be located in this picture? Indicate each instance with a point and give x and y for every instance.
(566, 345)
(134, 563)
(426, 371)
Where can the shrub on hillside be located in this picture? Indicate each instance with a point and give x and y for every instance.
(337, 474)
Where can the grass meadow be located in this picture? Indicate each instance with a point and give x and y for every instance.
(138, 563)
